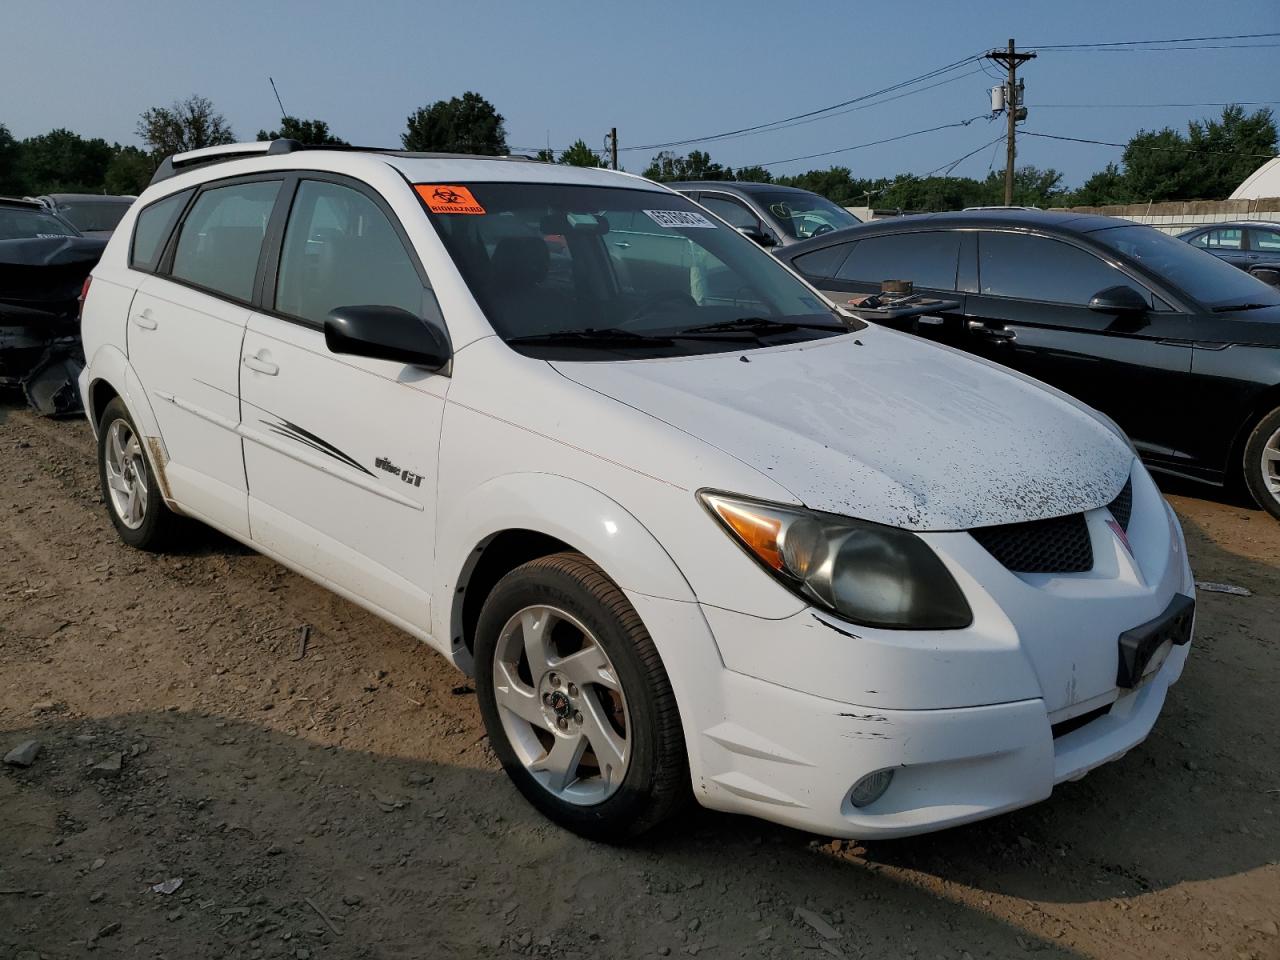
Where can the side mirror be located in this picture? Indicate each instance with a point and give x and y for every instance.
(386, 333)
(1267, 275)
(1120, 299)
(759, 235)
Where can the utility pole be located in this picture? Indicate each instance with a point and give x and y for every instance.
(1013, 108)
(613, 148)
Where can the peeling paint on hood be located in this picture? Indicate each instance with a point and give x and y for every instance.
(894, 430)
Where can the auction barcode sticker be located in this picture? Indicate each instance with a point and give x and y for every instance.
(679, 218)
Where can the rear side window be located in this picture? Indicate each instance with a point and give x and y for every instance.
(926, 259)
(1038, 268)
(824, 263)
(1267, 241)
(220, 241)
(152, 229)
(340, 250)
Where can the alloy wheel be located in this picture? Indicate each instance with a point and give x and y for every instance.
(1271, 465)
(562, 705)
(126, 474)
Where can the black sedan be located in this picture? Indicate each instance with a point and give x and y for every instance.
(1181, 349)
(1251, 245)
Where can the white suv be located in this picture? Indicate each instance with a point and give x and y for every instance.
(694, 533)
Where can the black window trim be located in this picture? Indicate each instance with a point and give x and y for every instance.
(164, 245)
(164, 267)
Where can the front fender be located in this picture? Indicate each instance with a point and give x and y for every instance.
(569, 510)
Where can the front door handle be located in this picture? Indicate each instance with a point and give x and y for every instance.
(995, 334)
(930, 320)
(261, 366)
(144, 320)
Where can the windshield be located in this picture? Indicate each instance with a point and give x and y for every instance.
(95, 214)
(1203, 276)
(579, 270)
(804, 215)
(21, 223)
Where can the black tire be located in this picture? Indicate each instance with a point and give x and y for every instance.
(1255, 465)
(656, 784)
(159, 524)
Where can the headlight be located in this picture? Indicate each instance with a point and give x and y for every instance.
(866, 573)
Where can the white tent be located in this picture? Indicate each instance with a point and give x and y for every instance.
(1263, 182)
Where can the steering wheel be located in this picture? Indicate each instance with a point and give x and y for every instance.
(821, 229)
(653, 301)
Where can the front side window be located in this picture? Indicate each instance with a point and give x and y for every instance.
(1264, 241)
(731, 212)
(806, 215)
(609, 270)
(1212, 281)
(340, 250)
(23, 223)
(926, 259)
(220, 242)
(1038, 268)
(152, 229)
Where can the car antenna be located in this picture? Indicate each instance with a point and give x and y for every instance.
(278, 100)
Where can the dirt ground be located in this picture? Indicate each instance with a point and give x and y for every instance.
(344, 803)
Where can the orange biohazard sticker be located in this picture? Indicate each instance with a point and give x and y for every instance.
(444, 199)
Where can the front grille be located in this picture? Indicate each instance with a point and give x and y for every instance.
(1060, 545)
(1122, 505)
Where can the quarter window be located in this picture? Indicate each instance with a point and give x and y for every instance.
(927, 259)
(1038, 268)
(220, 243)
(152, 229)
(824, 263)
(340, 250)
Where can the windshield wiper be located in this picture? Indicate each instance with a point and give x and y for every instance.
(1230, 307)
(614, 336)
(763, 325)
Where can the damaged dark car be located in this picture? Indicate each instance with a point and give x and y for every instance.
(44, 263)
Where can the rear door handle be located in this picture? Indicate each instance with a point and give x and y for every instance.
(144, 320)
(929, 320)
(261, 366)
(996, 334)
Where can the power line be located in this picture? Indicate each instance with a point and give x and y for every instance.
(893, 88)
(1144, 43)
(1223, 103)
(1109, 143)
(874, 143)
(948, 167)
(1206, 46)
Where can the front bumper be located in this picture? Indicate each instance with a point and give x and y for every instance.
(784, 717)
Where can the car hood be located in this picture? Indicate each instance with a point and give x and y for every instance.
(884, 427)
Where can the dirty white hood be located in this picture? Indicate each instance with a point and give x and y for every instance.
(893, 430)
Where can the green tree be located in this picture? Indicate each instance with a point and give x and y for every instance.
(1032, 187)
(754, 174)
(580, 155)
(546, 155)
(1106, 186)
(63, 162)
(129, 171)
(185, 125)
(466, 124)
(837, 184)
(1232, 147)
(310, 132)
(11, 183)
(698, 165)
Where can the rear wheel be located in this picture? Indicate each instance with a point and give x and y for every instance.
(576, 702)
(1262, 463)
(129, 487)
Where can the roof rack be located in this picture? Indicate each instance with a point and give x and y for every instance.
(182, 162)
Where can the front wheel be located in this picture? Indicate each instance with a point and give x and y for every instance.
(576, 702)
(1262, 463)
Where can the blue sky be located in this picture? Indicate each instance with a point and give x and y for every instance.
(659, 70)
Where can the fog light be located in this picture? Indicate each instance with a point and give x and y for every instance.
(870, 788)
